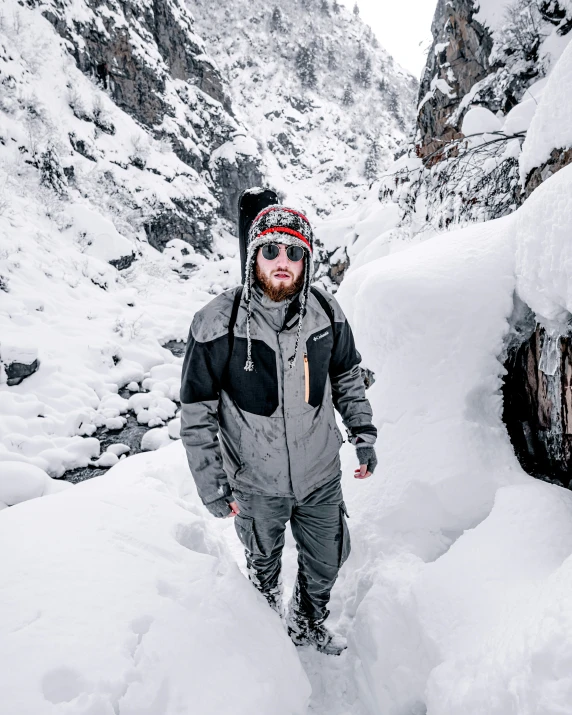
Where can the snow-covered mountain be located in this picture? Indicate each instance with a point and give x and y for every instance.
(327, 105)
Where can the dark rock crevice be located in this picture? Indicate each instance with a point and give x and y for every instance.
(537, 392)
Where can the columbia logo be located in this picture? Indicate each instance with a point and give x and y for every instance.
(319, 337)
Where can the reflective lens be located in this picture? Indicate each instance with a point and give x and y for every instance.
(270, 251)
(295, 253)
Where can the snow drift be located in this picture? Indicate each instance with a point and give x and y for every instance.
(117, 596)
(463, 560)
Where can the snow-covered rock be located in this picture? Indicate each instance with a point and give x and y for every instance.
(20, 482)
(155, 439)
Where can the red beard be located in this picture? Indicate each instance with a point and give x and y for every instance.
(281, 291)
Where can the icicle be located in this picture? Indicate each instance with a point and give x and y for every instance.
(550, 353)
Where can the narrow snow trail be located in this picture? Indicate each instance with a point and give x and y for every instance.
(338, 684)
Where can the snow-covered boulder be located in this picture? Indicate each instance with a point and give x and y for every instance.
(98, 237)
(155, 439)
(480, 120)
(20, 481)
(19, 361)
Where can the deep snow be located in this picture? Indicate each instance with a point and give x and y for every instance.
(456, 596)
(122, 596)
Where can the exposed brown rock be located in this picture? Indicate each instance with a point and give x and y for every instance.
(462, 63)
(559, 158)
(538, 407)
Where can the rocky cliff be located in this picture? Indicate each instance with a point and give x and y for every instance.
(149, 60)
(484, 54)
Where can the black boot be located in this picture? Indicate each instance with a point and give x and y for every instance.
(305, 631)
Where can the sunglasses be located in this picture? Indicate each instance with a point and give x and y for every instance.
(270, 251)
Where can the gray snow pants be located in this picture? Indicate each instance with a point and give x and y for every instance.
(322, 538)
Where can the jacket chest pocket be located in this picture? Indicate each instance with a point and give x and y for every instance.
(316, 365)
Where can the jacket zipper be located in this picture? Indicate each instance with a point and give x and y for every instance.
(306, 379)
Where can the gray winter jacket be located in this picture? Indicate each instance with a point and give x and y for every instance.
(271, 431)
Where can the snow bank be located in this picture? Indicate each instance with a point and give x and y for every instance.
(429, 322)
(544, 252)
(20, 482)
(551, 126)
(129, 603)
(459, 600)
(502, 631)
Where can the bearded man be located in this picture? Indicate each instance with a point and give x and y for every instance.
(264, 368)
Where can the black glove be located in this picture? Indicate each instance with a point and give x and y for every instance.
(366, 455)
(219, 507)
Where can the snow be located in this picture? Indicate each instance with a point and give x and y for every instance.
(20, 482)
(20, 352)
(544, 253)
(130, 603)
(442, 86)
(155, 439)
(122, 595)
(101, 238)
(480, 120)
(492, 13)
(551, 126)
(239, 145)
(457, 601)
(94, 329)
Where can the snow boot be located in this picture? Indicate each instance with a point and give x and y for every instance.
(274, 598)
(305, 631)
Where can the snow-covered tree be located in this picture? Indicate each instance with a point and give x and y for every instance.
(372, 162)
(305, 65)
(51, 172)
(348, 96)
(276, 20)
(363, 72)
(356, 9)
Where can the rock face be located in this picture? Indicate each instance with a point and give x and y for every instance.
(538, 405)
(154, 66)
(16, 372)
(471, 64)
(559, 158)
(457, 61)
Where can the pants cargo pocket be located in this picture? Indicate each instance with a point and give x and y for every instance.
(345, 546)
(244, 526)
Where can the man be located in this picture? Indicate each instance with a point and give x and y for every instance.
(263, 370)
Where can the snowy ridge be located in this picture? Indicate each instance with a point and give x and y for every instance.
(327, 105)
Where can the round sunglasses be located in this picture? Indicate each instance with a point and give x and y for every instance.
(270, 251)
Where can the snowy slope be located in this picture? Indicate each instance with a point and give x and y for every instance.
(119, 597)
(73, 199)
(459, 596)
(315, 89)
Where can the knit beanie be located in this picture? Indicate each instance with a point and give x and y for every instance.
(278, 224)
